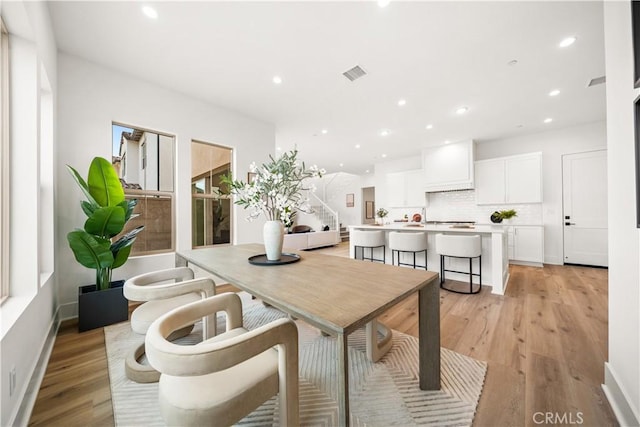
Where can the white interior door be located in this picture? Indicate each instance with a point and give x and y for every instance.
(584, 191)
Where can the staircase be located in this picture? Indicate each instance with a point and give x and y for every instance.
(324, 213)
(328, 216)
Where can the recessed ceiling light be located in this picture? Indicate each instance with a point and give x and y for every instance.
(429, 127)
(402, 102)
(554, 92)
(384, 155)
(150, 12)
(341, 164)
(447, 141)
(324, 131)
(548, 120)
(568, 41)
(383, 3)
(277, 79)
(512, 62)
(384, 132)
(279, 148)
(357, 145)
(367, 171)
(462, 110)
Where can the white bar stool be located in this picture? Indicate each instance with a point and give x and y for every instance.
(368, 239)
(408, 242)
(455, 246)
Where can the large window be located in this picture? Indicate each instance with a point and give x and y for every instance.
(4, 161)
(210, 209)
(144, 160)
(46, 245)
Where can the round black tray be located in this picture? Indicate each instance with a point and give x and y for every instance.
(284, 259)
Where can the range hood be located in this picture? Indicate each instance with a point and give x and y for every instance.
(449, 167)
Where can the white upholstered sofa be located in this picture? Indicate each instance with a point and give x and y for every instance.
(313, 239)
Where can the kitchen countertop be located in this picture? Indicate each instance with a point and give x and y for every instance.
(400, 226)
(495, 262)
(524, 224)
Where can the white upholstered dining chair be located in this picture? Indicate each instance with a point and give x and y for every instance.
(162, 291)
(221, 380)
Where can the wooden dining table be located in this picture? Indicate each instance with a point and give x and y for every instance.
(334, 294)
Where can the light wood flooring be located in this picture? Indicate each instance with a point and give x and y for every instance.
(545, 342)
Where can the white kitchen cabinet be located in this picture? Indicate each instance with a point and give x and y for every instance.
(449, 167)
(405, 189)
(510, 242)
(524, 179)
(414, 188)
(507, 180)
(395, 189)
(490, 182)
(526, 243)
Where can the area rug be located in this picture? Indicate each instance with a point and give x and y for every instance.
(381, 394)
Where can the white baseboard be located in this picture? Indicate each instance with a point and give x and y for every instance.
(555, 260)
(23, 414)
(526, 263)
(68, 311)
(623, 411)
(506, 284)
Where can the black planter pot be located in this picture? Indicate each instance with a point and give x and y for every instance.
(101, 308)
(496, 218)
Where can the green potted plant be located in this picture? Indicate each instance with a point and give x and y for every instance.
(382, 213)
(107, 213)
(498, 216)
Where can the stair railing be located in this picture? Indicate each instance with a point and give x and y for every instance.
(324, 213)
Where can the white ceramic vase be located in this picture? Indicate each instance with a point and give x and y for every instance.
(273, 235)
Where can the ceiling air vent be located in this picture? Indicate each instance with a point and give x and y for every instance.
(597, 81)
(354, 73)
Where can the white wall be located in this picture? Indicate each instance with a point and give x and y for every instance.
(335, 190)
(622, 371)
(553, 144)
(368, 180)
(28, 315)
(90, 99)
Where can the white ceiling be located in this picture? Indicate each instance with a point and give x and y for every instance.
(437, 55)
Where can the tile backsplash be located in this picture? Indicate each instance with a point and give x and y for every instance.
(461, 206)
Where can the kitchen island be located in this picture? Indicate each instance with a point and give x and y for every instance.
(495, 262)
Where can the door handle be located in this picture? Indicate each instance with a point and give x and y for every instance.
(569, 223)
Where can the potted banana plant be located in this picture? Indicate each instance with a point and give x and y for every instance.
(107, 213)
